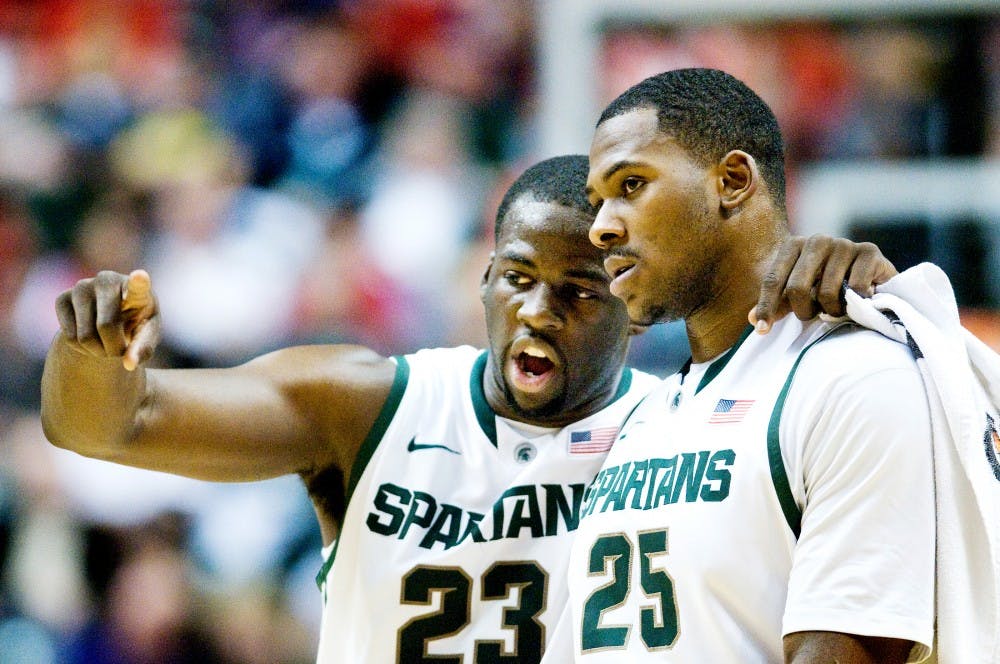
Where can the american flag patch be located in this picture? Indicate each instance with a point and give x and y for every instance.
(730, 411)
(592, 441)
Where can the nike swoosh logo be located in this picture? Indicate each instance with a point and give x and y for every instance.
(414, 446)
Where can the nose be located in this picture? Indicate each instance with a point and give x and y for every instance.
(538, 309)
(607, 230)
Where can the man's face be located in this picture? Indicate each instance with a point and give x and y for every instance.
(558, 338)
(656, 218)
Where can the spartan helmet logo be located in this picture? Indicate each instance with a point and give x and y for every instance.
(525, 453)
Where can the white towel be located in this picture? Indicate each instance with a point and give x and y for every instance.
(962, 378)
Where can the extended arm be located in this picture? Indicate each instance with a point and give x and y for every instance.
(297, 410)
(806, 276)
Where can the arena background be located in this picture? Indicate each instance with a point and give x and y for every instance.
(298, 172)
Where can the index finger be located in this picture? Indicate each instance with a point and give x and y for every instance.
(137, 292)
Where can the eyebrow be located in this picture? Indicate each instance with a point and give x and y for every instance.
(575, 273)
(614, 168)
(516, 257)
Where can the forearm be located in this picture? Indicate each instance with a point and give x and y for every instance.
(89, 404)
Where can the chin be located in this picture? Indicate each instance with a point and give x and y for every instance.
(644, 315)
(534, 409)
(653, 315)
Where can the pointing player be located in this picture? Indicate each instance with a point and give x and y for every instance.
(462, 470)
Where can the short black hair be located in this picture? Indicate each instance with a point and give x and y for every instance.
(561, 180)
(709, 112)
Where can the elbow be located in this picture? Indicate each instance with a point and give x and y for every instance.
(59, 435)
(53, 433)
(77, 439)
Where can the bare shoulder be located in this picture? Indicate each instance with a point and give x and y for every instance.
(327, 367)
(338, 390)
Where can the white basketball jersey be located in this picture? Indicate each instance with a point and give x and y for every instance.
(454, 545)
(687, 544)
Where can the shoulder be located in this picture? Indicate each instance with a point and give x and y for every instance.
(334, 365)
(848, 353)
(857, 385)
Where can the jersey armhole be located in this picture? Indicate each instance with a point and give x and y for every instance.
(779, 475)
(367, 450)
(381, 424)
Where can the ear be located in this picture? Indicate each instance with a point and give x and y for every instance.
(737, 180)
(486, 276)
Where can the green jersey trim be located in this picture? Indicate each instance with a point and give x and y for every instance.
(623, 385)
(715, 368)
(484, 414)
(381, 425)
(369, 444)
(779, 476)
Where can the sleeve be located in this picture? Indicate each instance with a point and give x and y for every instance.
(859, 448)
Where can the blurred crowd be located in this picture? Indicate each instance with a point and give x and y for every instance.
(320, 171)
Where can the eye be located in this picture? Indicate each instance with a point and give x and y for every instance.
(516, 278)
(631, 184)
(582, 293)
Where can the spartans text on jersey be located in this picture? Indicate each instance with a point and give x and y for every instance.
(649, 483)
(534, 509)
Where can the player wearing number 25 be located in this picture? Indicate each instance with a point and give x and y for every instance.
(462, 471)
(774, 499)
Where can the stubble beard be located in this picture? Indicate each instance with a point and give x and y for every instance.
(679, 292)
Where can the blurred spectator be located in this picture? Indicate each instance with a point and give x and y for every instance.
(21, 370)
(148, 606)
(226, 255)
(422, 209)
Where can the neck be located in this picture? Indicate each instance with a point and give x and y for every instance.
(715, 326)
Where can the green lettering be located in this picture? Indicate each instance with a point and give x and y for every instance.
(666, 482)
(472, 528)
(527, 497)
(689, 476)
(606, 478)
(556, 505)
(636, 481)
(615, 495)
(714, 493)
(413, 517)
(382, 505)
(654, 468)
(445, 529)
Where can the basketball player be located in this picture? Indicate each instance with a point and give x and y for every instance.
(465, 469)
(774, 499)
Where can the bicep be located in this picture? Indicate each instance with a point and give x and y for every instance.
(291, 411)
(825, 647)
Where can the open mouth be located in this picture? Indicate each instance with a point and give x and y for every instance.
(533, 362)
